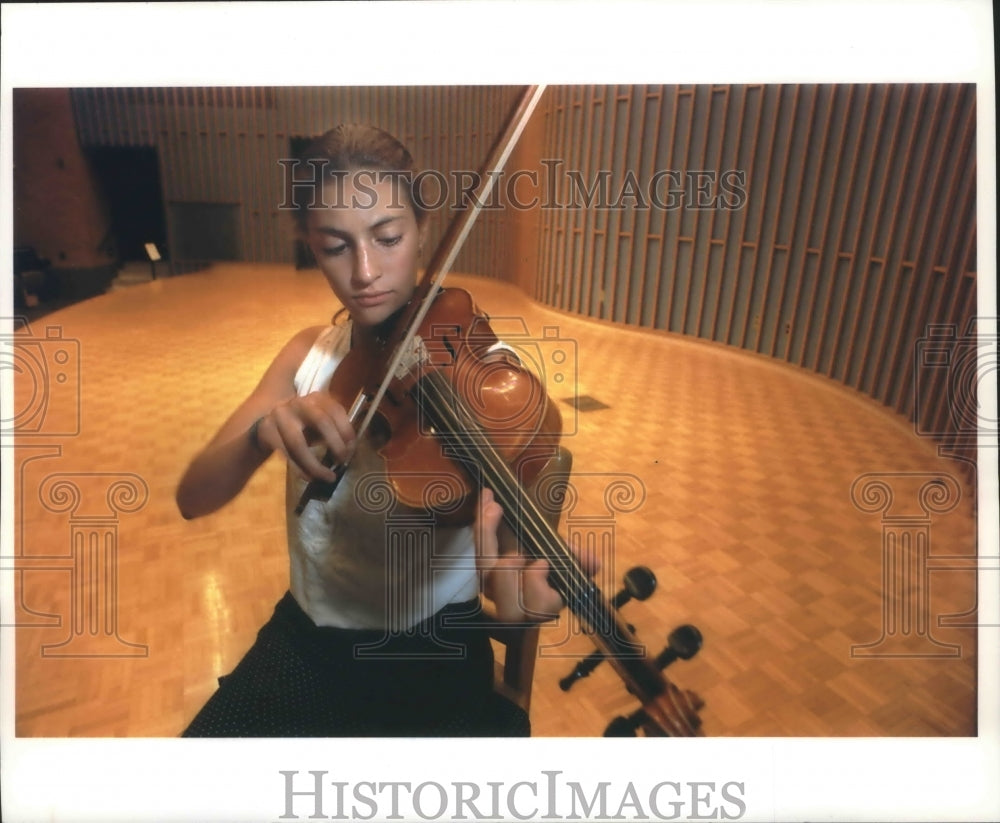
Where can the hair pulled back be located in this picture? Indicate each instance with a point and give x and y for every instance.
(353, 147)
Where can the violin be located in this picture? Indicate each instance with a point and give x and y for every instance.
(455, 417)
(453, 401)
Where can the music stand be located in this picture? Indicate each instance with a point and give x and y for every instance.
(153, 254)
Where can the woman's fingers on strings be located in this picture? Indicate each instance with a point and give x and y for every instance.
(520, 590)
(500, 582)
(488, 517)
(539, 600)
(589, 560)
(518, 586)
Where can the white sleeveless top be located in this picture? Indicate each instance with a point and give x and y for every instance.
(361, 560)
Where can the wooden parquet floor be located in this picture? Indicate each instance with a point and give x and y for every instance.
(729, 475)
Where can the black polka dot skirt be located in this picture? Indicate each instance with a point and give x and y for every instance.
(301, 680)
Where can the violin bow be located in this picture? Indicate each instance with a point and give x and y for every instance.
(451, 244)
(440, 264)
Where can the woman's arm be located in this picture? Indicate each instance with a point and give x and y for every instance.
(272, 418)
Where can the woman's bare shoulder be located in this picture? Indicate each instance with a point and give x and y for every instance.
(287, 361)
(298, 346)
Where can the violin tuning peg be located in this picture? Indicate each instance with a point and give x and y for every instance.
(585, 667)
(581, 670)
(640, 583)
(686, 640)
(626, 726)
(684, 643)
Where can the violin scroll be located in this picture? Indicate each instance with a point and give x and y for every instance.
(673, 712)
(679, 720)
(666, 710)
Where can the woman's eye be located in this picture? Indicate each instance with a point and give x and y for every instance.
(390, 241)
(333, 251)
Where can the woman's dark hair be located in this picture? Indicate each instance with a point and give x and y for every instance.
(351, 147)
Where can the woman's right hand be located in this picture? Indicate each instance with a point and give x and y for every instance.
(297, 424)
(285, 422)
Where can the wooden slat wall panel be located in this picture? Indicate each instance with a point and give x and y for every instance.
(857, 235)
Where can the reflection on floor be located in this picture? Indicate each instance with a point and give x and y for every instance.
(766, 501)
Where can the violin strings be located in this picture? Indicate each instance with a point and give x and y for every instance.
(584, 598)
(447, 412)
(467, 434)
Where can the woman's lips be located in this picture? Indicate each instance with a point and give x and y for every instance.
(368, 301)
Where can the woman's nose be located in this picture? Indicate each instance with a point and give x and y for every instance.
(365, 266)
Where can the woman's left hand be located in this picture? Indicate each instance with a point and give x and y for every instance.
(518, 585)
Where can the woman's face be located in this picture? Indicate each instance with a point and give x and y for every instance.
(366, 240)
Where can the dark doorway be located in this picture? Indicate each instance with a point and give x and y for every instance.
(206, 232)
(129, 177)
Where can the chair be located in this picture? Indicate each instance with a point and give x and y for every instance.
(519, 643)
(515, 673)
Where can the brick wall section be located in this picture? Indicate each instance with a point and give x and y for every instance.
(58, 208)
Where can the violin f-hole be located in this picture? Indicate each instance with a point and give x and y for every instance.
(451, 349)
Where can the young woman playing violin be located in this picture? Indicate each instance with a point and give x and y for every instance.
(308, 673)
